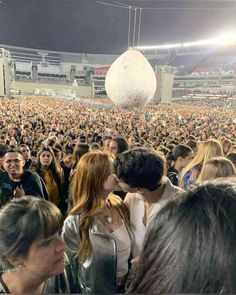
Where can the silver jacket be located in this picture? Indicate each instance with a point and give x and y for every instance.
(98, 273)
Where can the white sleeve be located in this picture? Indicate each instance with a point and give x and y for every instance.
(128, 200)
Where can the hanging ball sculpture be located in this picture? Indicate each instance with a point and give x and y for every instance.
(130, 80)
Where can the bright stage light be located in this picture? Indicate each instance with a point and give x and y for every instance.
(226, 39)
(164, 46)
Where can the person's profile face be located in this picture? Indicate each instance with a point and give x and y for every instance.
(113, 148)
(106, 145)
(111, 182)
(186, 160)
(45, 256)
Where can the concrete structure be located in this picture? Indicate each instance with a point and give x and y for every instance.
(5, 72)
(165, 78)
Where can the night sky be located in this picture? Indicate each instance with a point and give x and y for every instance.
(90, 27)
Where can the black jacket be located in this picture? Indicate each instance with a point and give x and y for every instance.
(31, 182)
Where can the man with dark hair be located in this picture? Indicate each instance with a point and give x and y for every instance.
(15, 182)
(141, 173)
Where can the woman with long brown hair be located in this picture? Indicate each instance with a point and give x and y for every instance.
(96, 232)
(53, 176)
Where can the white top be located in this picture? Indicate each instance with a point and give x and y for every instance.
(136, 205)
(123, 244)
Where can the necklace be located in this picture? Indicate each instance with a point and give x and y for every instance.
(108, 219)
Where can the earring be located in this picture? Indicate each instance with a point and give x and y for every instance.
(20, 266)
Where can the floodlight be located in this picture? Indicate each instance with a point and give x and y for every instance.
(227, 39)
(164, 46)
(200, 43)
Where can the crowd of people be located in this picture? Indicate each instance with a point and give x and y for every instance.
(106, 200)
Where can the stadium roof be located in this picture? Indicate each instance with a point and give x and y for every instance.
(101, 26)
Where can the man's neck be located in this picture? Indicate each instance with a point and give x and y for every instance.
(152, 197)
(16, 178)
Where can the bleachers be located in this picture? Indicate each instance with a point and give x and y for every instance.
(28, 55)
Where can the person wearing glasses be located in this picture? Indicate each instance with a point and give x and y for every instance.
(15, 182)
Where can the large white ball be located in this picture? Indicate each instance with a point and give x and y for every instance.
(130, 80)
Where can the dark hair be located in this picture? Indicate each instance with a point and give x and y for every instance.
(180, 150)
(58, 146)
(21, 222)
(191, 137)
(140, 167)
(80, 150)
(190, 246)
(232, 158)
(56, 152)
(192, 144)
(14, 150)
(3, 150)
(122, 144)
(68, 150)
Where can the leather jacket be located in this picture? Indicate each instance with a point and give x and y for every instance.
(98, 273)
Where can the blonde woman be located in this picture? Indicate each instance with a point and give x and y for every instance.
(207, 150)
(217, 168)
(96, 232)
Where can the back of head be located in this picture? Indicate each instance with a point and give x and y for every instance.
(190, 246)
(140, 167)
(191, 143)
(21, 222)
(91, 172)
(216, 168)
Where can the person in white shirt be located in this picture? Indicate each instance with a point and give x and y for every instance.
(141, 173)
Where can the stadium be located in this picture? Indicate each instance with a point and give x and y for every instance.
(117, 146)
